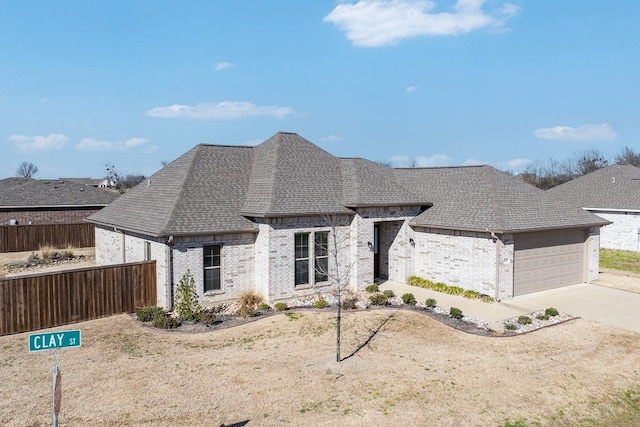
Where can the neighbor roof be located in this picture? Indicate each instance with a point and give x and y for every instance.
(615, 187)
(482, 198)
(35, 193)
(219, 189)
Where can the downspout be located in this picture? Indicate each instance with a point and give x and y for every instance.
(497, 286)
(169, 275)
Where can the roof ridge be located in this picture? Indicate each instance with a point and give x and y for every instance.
(181, 193)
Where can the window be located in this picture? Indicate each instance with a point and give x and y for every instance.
(321, 256)
(212, 268)
(147, 251)
(302, 259)
(304, 254)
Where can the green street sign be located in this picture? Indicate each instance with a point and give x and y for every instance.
(55, 340)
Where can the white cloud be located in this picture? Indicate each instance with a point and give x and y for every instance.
(411, 89)
(91, 144)
(226, 110)
(332, 138)
(222, 65)
(602, 132)
(420, 161)
(55, 141)
(372, 23)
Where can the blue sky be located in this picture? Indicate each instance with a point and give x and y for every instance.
(435, 83)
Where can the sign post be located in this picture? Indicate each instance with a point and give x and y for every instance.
(54, 341)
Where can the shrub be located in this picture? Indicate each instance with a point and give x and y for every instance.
(349, 303)
(372, 288)
(439, 287)
(165, 322)
(551, 312)
(389, 293)
(471, 294)
(148, 314)
(455, 312)
(250, 298)
(246, 311)
(430, 302)
(542, 317)
(280, 306)
(455, 290)
(414, 280)
(263, 306)
(207, 318)
(409, 299)
(510, 327)
(187, 306)
(321, 303)
(425, 283)
(378, 299)
(47, 251)
(524, 320)
(486, 298)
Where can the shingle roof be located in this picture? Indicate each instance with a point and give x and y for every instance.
(218, 189)
(614, 187)
(483, 198)
(22, 192)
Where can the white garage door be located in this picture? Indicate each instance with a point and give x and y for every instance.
(548, 260)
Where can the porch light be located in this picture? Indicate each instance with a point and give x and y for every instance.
(411, 241)
(370, 245)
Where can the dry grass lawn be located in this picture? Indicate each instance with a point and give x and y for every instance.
(282, 371)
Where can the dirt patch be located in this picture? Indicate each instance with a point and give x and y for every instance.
(399, 368)
(24, 263)
(624, 280)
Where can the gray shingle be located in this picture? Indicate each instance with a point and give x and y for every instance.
(613, 187)
(482, 198)
(21, 192)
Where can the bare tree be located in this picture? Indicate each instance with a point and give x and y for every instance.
(26, 170)
(629, 156)
(122, 183)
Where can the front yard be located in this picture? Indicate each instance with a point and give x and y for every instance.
(620, 260)
(281, 371)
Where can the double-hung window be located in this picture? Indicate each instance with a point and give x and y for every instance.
(212, 268)
(307, 255)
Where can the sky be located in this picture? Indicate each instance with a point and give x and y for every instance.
(132, 84)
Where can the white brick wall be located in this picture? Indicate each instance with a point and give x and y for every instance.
(623, 233)
(459, 258)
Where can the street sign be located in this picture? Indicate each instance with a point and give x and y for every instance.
(55, 340)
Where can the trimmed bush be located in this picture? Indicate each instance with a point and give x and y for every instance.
(378, 299)
(246, 311)
(524, 320)
(148, 314)
(165, 322)
(551, 312)
(207, 318)
(430, 303)
(321, 303)
(439, 287)
(471, 294)
(263, 306)
(389, 293)
(349, 303)
(511, 327)
(542, 317)
(455, 312)
(409, 299)
(455, 290)
(280, 306)
(372, 288)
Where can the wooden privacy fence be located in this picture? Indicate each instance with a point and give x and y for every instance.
(28, 303)
(20, 238)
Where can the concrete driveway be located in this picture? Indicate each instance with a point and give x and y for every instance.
(612, 300)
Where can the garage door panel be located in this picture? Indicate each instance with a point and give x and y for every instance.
(548, 260)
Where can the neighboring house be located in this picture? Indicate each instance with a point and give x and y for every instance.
(31, 201)
(612, 193)
(93, 182)
(266, 218)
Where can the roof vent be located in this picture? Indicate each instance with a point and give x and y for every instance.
(613, 179)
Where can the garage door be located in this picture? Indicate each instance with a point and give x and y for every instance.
(548, 260)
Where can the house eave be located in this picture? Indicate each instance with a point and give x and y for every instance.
(510, 230)
(611, 210)
(174, 234)
(95, 205)
(387, 205)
